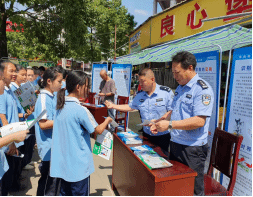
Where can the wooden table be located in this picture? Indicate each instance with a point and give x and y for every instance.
(131, 177)
(97, 112)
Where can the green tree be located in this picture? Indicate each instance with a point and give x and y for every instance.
(83, 29)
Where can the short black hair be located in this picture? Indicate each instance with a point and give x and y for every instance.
(42, 68)
(185, 58)
(144, 71)
(19, 67)
(3, 64)
(36, 70)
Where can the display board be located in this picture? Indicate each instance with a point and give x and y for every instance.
(96, 79)
(208, 69)
(239, 117)
(121, 74)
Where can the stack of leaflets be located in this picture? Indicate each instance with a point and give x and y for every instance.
(103, 145)
(132, 140)
(141, 148)
(129, 134)
(152, 159)
(26, 95)
(130, 137)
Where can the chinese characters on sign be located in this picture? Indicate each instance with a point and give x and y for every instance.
(192, 17)
(237, 6)
(167, 25)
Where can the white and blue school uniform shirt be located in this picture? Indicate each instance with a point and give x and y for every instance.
(44, 137)
(35, 82)
(8, 106)
(71, 156)
(4, 167)
(154, 106)
(193, 99)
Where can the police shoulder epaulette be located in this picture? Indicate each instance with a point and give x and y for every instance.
(202, 84)
(165, 88)
(139, 92)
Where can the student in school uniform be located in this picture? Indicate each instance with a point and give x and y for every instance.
(51, 82)
(9, 114)
(71, 156)
(27, 148)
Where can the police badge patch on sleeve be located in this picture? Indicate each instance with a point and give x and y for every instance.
(206, 99)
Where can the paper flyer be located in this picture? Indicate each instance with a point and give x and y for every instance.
(153, 160)
(26, 95)
(103, 145)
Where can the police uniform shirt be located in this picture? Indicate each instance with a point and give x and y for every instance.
(71, 155)
(193, 99)
(44, 137)
(154, 106)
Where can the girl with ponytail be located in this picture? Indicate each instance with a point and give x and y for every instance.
(71, 156)
(50, 83)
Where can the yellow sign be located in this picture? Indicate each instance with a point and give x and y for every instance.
(186, 20)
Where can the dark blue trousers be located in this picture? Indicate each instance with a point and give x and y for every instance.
(80, 188)
(27, 150)
(47, 186)
(3, 190)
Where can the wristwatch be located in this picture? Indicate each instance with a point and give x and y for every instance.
(170, 125)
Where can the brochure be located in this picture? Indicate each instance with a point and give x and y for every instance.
(19, 126)
(26, 95)
(103, 145)
(152, 159)
(145, 122)
(128, 134)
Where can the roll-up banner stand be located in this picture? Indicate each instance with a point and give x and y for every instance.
(122, 75)
(96, 79)
(208, 69)
(239, 117)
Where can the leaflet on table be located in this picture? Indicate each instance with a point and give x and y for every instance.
(26, 95)
(128, 134)
(141, 148)
(135, 140)
(103, 145)
(153, 160)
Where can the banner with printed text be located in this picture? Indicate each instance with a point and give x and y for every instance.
(96, 79)
(239, 117)
(208, 69)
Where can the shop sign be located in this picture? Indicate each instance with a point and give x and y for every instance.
(186, 20)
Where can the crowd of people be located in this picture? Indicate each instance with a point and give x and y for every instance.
(179, 123)
(62, 135)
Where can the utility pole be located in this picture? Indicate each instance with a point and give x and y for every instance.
(115, 46)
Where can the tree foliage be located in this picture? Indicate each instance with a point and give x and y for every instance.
(82, 29)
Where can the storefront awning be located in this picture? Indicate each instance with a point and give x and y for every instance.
(224, 36)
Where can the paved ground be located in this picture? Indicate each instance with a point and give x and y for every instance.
(101, 179)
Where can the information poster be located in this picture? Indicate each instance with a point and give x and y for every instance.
(208, 69)
(96, 79)
(239, 118)
(122, 74)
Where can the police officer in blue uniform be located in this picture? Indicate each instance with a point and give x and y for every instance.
(153, 102)
(189, 121)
